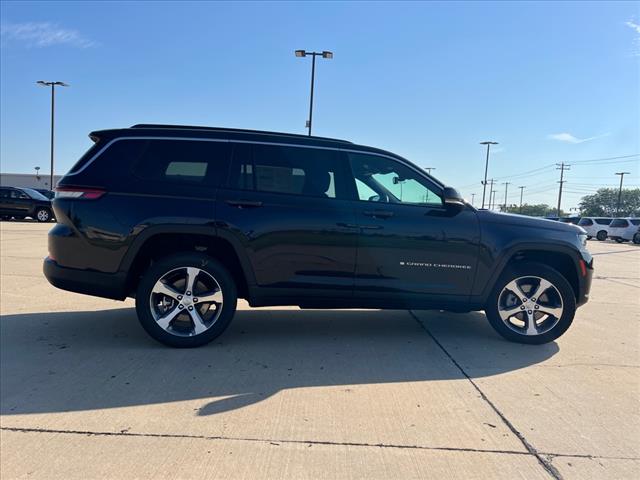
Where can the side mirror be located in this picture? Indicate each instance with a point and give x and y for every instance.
(452, 199)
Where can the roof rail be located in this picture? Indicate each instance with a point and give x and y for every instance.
(234, 130)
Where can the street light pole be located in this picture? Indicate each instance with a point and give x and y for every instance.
(486, 168)
(53, 86)
(323, 54)
(473, 196)
(521, 187)
(622, 174)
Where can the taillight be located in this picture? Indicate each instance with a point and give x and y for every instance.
(80, 193)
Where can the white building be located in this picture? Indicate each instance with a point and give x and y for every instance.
(27, 180)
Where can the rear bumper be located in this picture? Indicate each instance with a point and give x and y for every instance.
(98, 284)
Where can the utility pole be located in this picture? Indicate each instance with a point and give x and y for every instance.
(506, 188)
(486, 168)
(473, 196)
(622, 174)
(562, 167)
(428, 169)
(521, 190)
(490, 193)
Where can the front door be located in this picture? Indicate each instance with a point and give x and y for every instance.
(288, 208)
(411, 247)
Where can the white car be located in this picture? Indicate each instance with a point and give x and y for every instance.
(597, 227)
(633, 236)
(623, 229)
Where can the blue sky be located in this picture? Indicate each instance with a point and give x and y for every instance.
(551, 82)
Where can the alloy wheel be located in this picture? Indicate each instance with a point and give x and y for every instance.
(186, 301)
(43, 215)
(530, 305)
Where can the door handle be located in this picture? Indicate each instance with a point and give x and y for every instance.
(378, 213)
(243, 203)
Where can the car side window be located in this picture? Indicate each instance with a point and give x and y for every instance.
(4, 193)
(585, 222)
(18, 194)
(390, 181)
(288, 170)
(635, 221)
(182, 161)
(603, 221)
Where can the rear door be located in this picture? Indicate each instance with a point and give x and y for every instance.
(286, 207)
(411, 248)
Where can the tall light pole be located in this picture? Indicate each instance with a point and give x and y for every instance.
(473, 197)
(486, 168)
(53, 86)
(622, 174)
(304, 53)
(521, 187)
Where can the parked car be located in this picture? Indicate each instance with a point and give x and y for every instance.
(632, 236)
(189, 219)
(597, 227)
(622, 229)
(47, 193)
(20, 203)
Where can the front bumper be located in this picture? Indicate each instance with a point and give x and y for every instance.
(88, 282)
(585, 276)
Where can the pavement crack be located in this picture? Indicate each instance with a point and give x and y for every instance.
(544, 462)
(277, 442)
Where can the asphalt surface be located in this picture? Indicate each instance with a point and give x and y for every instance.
(291, 394)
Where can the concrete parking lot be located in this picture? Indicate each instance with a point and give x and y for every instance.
(285, 393)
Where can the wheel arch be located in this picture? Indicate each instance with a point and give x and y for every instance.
(561, 258)
(155, 243)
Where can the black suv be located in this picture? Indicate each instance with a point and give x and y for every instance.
(24, 202)
(189, 219)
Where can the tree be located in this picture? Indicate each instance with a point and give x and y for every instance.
(604, 203)
(537, 210)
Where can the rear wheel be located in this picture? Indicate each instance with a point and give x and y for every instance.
(43, 215)
(636, 238)
(601, 235)
(186, 300)
(531, 303)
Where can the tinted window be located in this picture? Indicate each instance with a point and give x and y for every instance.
(585, 222)
(619, 222)
(603, 221)
(289, 170)
(18, 194)
(4, 193)
(34, 194)
(635, 221)
(391, 182)
(185, 161)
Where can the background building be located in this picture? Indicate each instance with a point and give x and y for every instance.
(27, 180)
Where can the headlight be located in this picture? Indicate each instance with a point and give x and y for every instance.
(582, 239)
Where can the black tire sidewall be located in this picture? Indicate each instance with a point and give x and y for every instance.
(536, 270)
(203, 262)
(604, 235)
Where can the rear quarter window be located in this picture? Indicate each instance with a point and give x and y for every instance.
(585, 222)
(603, 221)
(635, 221)
(619, 222)
(183, 161)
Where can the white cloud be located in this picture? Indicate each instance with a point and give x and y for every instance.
(632, 24)
(43, 34)
(568, 138)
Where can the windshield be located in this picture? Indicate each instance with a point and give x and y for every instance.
(33, 194)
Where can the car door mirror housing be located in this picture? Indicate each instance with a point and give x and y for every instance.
(452, 198)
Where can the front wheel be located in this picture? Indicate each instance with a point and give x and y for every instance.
(531, 303)
(186, 300)
(601, 235)
(636, 238)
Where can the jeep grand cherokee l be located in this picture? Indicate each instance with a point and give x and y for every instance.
(189, 219)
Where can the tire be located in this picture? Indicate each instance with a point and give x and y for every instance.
(636, 238)
(42, 215)
(589, 237)
(601, 235)
(546, 327)
(163, 300)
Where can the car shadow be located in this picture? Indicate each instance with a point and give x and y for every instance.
(75, 361)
